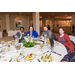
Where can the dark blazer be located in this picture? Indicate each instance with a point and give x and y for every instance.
(19, 34)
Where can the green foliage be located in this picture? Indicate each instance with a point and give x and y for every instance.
(28, 44)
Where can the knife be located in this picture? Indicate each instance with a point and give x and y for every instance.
(56, 53)
(38, 60)
(45, 52)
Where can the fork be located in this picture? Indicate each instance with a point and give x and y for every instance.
(38, 60)
(10, 60)
(45, 52)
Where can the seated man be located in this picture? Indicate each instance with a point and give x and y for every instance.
(21, 34)
(32, 32)
(48, 33)
(69, 58)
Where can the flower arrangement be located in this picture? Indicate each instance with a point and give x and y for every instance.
(28, 41)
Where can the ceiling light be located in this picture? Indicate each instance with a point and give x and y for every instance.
(65, 15)
(52, 14)
(20, 13)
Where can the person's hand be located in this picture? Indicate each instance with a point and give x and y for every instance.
(42, 37)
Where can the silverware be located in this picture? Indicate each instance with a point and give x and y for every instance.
(50, 54)
(56, 53)
(10, 60)
(38, 60)
(45, 52)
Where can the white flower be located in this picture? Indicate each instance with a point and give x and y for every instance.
(26, 39)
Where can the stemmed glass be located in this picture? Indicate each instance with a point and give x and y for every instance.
(2, 42)
(3, 50)
(41, 45)
(16, 39)
(52, 44)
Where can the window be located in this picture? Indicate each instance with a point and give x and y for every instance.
(63, 23)
(18, 22)
(48, 22)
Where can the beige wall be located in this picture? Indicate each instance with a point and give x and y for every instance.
(66, 29)
(44, 18)
(12, 21)
(3, 21)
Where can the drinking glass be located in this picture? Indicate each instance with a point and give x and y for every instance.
(41, 45)
(2, 42)
(35, 46)
(52, 44)
(48, 41)
(3, 50)
(57, 43)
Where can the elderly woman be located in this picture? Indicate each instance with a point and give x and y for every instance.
(32, 32)
(65, 40)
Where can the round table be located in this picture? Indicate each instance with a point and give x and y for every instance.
(56, 58)
(11, 33)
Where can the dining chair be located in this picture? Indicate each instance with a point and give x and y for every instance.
(4, 33)
(73, 45)
(72, 38)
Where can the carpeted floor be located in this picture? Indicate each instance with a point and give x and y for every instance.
(7, 39)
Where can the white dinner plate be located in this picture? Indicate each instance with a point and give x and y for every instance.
(15, 55)
(38, 53)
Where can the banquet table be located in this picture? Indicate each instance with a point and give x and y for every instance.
(11, 32)
(0, 34)
(56, 58)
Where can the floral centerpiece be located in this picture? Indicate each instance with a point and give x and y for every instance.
(28, 41)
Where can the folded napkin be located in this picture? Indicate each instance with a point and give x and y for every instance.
(51, 42)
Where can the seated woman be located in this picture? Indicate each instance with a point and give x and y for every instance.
(65, 40)
(69, 58)
(32, 32)
(20, 34)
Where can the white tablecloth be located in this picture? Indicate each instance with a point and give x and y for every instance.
(11, 33)
(56, 58)
(0, 34)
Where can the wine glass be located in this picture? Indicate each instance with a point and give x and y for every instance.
(52, 44)
(2, 42)
(41, 45)
(3, 50)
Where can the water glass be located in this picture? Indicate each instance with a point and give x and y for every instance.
(35, 46)
(41, 45)
(2, 42)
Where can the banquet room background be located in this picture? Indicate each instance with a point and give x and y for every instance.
(54, 19)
